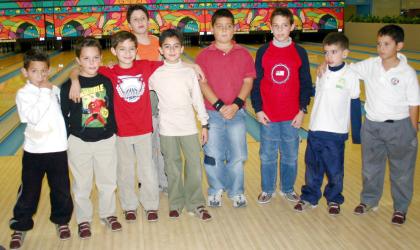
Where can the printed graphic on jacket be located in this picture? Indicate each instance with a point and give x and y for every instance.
(130, 88)
(95, 107)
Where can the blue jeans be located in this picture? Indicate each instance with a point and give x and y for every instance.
(225, 153)
(275, 137)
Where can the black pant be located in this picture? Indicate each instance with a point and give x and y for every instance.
(34, 167)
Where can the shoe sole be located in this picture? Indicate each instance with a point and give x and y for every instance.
(264, 202)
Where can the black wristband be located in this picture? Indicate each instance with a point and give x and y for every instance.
(218, 104)
(238, 101)
(205, 126)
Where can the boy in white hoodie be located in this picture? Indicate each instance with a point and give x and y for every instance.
(44, 151)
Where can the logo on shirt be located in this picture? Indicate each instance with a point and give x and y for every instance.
(130, 88)
(280, 73)
(95, 107)
(394, 81)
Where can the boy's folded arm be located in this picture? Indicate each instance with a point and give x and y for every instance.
(208, 93)
(32, 108)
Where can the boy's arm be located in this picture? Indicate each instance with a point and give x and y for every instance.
(74, 93)
(305, 87)
(31, 107)
(256, 99)
(65, 103)
(229, 111)
(414, 116)
(198, 102)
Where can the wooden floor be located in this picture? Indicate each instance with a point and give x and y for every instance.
(270, 226)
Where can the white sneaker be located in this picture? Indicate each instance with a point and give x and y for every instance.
(292, 196)
(239, 201)
(215, 200)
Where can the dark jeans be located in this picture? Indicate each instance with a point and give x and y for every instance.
(34, 167)
(324, 155)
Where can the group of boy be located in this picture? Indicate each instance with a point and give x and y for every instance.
(116, 100)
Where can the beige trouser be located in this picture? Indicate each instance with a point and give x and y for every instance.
(137, 151)
(93, 158)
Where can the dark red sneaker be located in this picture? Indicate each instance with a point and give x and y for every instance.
(333, 208)
(130, 215)
(398, 218)
(201, 213)
(152, 215)
(63, 232)
(112, 223)
(174, 214)
(17, 239)
(84, 230)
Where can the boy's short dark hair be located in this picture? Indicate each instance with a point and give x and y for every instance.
(133, 8)
(222, 13)
(35, 55)
(87, 42)
(284, 12)
(169, 33)
(121, 36)
(394, 31)
(336, 38)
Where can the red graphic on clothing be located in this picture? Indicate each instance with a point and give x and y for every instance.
(94, 108)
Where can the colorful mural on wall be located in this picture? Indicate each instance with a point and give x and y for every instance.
(72, 18)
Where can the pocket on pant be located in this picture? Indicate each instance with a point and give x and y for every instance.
(208, 160)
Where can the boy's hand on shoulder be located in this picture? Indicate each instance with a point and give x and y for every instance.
(229, 111)
(262, 118)
(74, 93)
(204, 136)
(198, 71)
(297, 121)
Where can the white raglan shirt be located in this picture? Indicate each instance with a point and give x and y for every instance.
(331, 109)
(388, 93)
(40, 109)
(179, 94)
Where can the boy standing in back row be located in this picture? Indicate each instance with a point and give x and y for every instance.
(229, 70)
(279, 96)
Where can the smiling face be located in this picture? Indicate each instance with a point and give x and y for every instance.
(139, 23)
(171, 49)
(37, 72)
(281, 28)
(125, 52)
(387, 47)
(89, 60)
